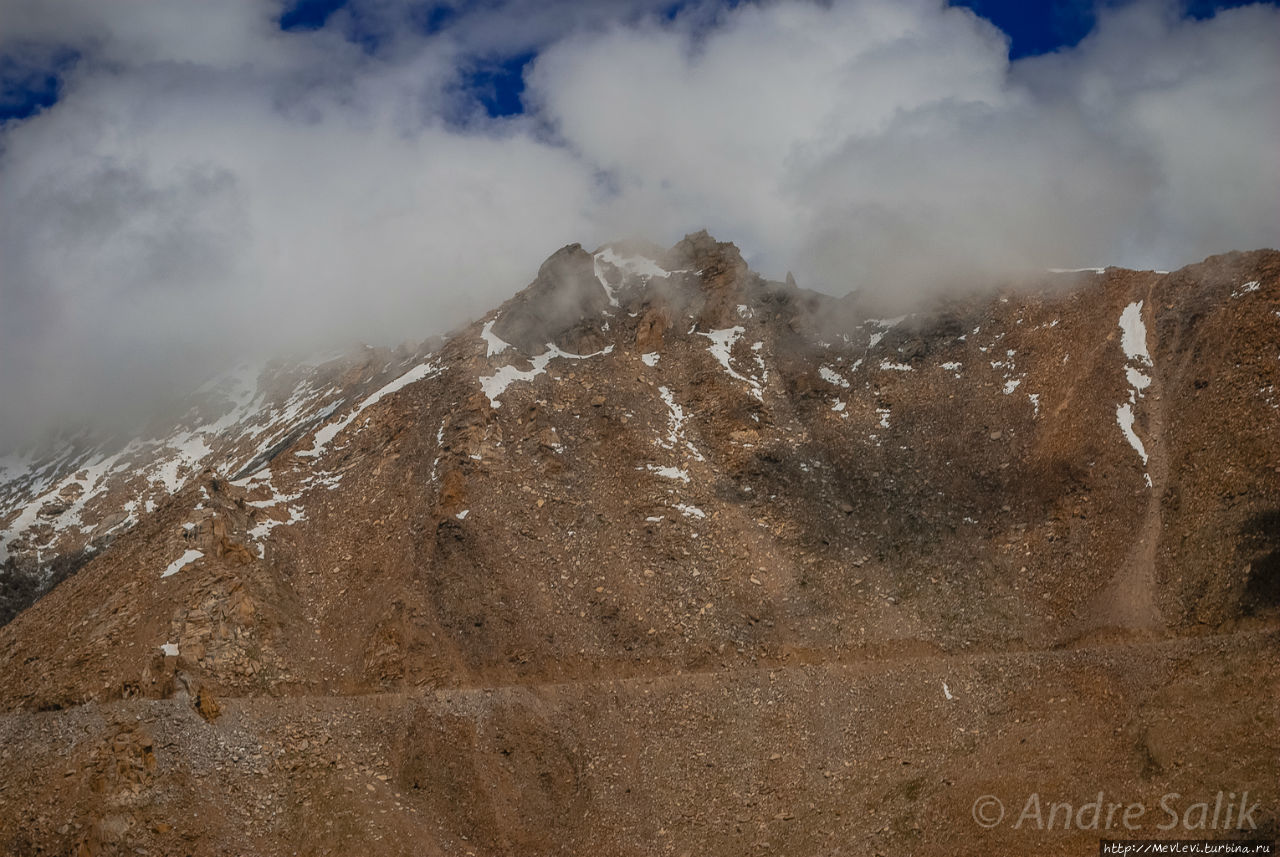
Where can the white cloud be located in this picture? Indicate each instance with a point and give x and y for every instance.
(893, 145)
(207, 183)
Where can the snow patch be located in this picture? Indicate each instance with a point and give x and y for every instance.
(639, 265)
(650, 359)
(92, 483)
(1124, 416)
(496, 384)
(676, 418)
(885, 324)
(330, 431)
(1133, 334)
(262, 476)
(829, 375)
(721, 348)
(264, 528)
(1133, 340)
(669, 472)
(181, 562)
(493, 344)
(189, 449)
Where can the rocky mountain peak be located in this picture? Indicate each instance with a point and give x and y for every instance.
(700, 251)
(565, 291)
(494, 590)
(723, 275)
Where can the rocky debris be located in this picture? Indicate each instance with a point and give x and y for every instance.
(815, 755)
(507, 779)
(802, 577)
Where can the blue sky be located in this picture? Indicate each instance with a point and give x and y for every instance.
(1036, 27)
(1033, 27)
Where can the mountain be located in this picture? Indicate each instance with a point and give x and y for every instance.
(665, 557)
(63, 502)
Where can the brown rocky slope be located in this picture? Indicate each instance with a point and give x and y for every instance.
(663, 557)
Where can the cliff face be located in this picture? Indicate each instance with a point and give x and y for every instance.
(658, 531)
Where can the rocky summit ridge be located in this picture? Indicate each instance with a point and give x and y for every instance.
(664, 557)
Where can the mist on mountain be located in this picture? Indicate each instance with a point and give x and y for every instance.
(208, 187)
